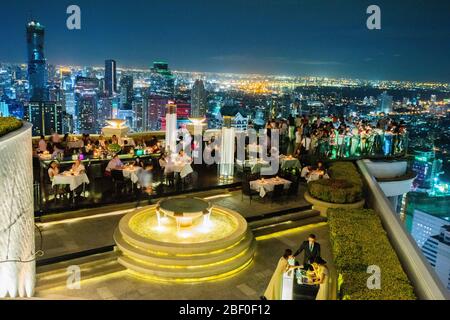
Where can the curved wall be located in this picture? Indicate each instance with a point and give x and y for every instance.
(17, 250)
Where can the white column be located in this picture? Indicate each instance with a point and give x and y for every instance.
(17, 249)
(171, 128)
(226, 166)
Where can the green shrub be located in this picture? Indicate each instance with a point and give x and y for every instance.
(9, 124)
(344, 186)
(335, 191)
(358, 240)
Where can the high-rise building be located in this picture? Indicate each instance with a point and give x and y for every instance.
(37, 65)
(156, 106)
(46, 117)
(126, 92)
(4, 109)
(425, 225)
(162, 80)
(437, 251)
(104, 111)
(199, 101)
(110, 77)
(427, 168)
(87, 113)
(385, 103)
(140, 123)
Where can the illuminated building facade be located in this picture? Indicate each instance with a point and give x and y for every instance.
(37, 65)
(198, 100)
(110, 77)
(46, 117)
(427, 168)
(437, 251)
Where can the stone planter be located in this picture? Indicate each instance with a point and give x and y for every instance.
(323, 206)
(17, 250)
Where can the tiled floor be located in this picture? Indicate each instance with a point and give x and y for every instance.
(75, 235)
(249, 284)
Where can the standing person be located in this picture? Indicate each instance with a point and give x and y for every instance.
(273, 291)
(311, 249)
(146, 183)
(322, 274)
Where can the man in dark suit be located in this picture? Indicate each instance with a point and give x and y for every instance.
(311, 249)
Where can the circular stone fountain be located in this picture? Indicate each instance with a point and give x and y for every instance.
(186, 240)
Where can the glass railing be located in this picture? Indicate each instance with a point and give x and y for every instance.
(376, 145)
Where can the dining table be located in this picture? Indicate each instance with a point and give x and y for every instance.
(255, 165)
(289, 162)
(183, 168)
(316, 175)
(73, 180)
(132, 173)
(264, 186)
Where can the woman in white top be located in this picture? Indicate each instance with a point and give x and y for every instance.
(53, 170)
(322, 274)
(274, 289)
(78, 168)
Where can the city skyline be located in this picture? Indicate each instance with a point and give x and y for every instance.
(406, 48)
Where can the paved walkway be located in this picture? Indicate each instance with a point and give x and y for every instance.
(86, 233)
(247, 285)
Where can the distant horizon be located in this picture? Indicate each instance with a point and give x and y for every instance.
(327, 38)
(238, 73)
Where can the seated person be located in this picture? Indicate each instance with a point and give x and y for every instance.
(78, 167)
(53, 170)
(55, 138)
(183, 157)
(114, 140)
(42, 145)
(114, 164)
(320, 167)
(306, 171)
(138, 162)
(102, 141)
(58, 149)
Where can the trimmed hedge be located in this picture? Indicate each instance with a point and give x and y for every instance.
(344, 186)
(9, 124)
(358, 240)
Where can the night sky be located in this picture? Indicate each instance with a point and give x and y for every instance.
(291, 37)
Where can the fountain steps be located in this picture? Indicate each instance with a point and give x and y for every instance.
(192, 273)
(206, 257)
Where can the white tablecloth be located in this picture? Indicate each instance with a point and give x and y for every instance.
(268, 185)
(314, 176)
(130, 142)
(254, 164)
(183, 169)
(73, 181)
(75, 144)
(132, 173)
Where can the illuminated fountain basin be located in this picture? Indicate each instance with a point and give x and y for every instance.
(207, 244)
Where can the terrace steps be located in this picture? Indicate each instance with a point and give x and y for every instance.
(56, 275)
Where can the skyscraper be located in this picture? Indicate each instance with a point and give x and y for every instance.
(87, 113)
(46, 117)
(110, 77)
(126, 92)
(37, 66)
(385, 103)
(198, 100)
(437, 251)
